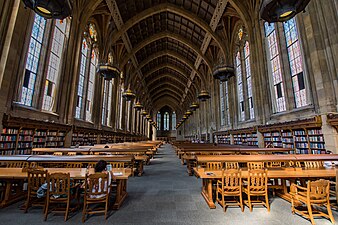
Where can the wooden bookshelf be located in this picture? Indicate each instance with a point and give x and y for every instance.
(304, 136)
(332, 119)
(223, 137)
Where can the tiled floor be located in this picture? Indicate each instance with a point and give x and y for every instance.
(166, 195)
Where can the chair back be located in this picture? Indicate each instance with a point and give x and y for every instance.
(74, 165)
(96, 185)
(231, 165)
(117, 165)
(318, 190)
(57, 153)
(71, 153)
(36, 178)
(214, 166)
(17, 164)
(257, 181)
(295, 164)
(255, 165)
(58, 184)
(273, 164)
(313, 164)
(232, 181)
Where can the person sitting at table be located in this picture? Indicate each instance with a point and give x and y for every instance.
(101, 167)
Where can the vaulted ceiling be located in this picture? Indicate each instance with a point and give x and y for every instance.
(168, 48)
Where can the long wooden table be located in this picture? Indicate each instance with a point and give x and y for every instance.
(12, 175)
(134, 161)
(209, 176)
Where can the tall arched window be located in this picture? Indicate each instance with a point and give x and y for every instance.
(240, 87)
(248, 79)
(33, 60)
(54, 65)
(296, 62)
(82, 77)
(106, 106)
(90, 93)
(275, 67)
(166, 121)
(173, 121)
(158, 119)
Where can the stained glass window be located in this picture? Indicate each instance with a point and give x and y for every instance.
(33, 60)
(53, 72)
(92, 32)
(166, 121)
(173, 121)
(80, 88)
(221, 87)
(275, 64)
(248, 79)
(158, 121)
(296, 62)
(240, 86)
(90, 88)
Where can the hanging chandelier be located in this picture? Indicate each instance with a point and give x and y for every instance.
(128, 95)
(281, 10)
(144, 113)
(203, 96)
(194, 106)
(138, 106)
(50, 9)
(223, 73)
(188, 113)
(108, 71)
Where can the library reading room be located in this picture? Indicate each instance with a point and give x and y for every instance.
(169, 112)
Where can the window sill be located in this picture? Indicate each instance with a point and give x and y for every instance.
(20, 109)
(298, 113)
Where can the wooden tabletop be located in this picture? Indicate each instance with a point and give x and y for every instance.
(80, 158)
(274, 173)
(264, 158)
(76, 173)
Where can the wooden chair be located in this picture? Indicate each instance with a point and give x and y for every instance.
(71, 153)
(231, 165)
(96, 191)
(230, 186)
(74, 165)
(117, 165)
(91, 164)
(17, 164)
(214, 166)
(59, 192)
(255, 165)
(36, 178)
(257, 185)
(316, 193)
(273, 183)
(273, 164)
(57, 153)
(295, 164)
(313, 164)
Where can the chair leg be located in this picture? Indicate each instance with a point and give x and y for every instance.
(292, 205)
(46, 209)
(267, 202)
(27, 202)
(241, 202)
(249, 202)
(106, 209)
(329, 211)
(67, 209)
(84, 211)
(310, 213)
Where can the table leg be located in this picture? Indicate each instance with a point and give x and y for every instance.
(121, 193)
(9, 197)
(140, 168)
(207, 193)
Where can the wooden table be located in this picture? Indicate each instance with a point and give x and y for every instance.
(283, 173)
(12, 175)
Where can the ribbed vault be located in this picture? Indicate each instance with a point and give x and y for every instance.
(170, 47)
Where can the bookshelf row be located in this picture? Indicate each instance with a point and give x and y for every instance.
(304, 141)
(20, 140)
(249, 139)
